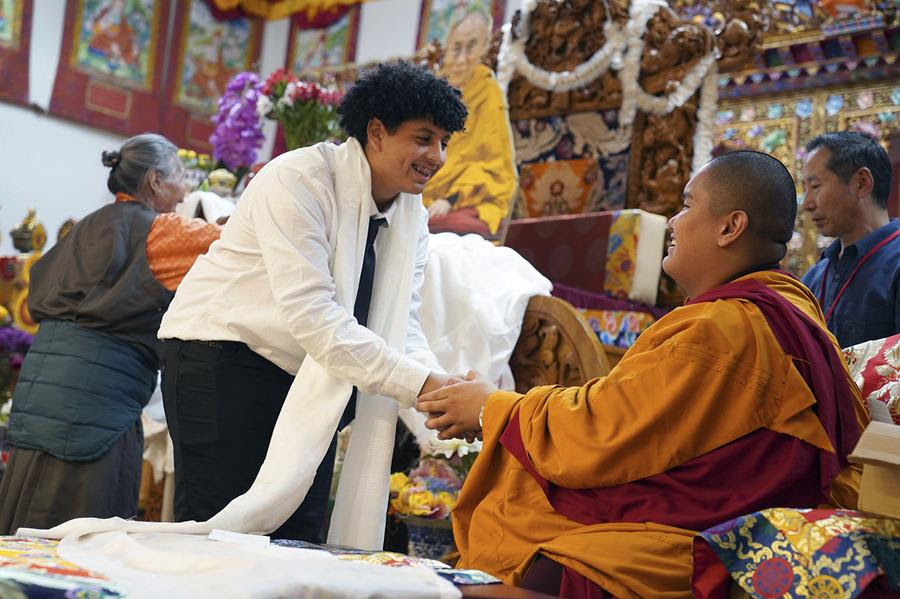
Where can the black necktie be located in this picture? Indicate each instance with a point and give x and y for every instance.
(363, 301)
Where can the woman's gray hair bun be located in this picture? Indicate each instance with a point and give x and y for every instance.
(137, 157)
(110, 158)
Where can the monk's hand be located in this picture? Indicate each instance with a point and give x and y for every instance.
(439, 208)
(454, 409)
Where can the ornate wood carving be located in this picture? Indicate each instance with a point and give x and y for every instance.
(556, 347)
(739, 39)
(669, 42)
(566, 34)
(661, 166)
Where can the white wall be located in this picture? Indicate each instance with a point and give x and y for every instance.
(54, 165)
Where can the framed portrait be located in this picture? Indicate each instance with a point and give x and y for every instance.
(437, 16)
(111, 64)
(328, 39)
(207, 51)
(117, 40)
(15, 35)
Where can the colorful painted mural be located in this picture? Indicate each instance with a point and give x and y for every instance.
(117, 39)
(313, 47)
(210, 53)
(10, 23)
(15, 42)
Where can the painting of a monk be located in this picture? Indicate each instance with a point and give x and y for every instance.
(473, 191)
(213, 51)
(116, 38)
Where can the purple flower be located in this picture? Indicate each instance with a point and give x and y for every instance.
(436, 475)
(14, 341)
(238, 133)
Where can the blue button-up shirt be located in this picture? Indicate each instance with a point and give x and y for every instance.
(870, 306)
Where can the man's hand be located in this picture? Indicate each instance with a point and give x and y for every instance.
(453, 410)
(439, 208)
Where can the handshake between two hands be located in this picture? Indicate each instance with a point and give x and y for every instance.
(453, 404)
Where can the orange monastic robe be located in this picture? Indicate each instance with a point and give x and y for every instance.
(703, 376)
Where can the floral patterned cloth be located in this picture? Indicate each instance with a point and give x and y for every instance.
(617, 322)
(618, 327)
(875, 366)
(827, 554)
(30, 567)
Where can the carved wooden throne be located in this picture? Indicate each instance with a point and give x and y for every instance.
(556, 347)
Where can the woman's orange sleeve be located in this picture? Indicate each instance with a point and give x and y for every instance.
(174, 243)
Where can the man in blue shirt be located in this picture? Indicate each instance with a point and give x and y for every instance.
(847, 177)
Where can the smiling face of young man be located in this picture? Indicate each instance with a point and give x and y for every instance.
(403, 161)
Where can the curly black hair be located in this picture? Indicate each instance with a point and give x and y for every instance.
(397, 92)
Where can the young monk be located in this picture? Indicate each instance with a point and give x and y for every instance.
(735, 402)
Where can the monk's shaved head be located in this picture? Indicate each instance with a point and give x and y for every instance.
(760, 186)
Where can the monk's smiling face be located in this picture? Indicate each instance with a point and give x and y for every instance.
(693, 238)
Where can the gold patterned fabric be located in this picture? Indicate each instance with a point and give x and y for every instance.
(782, 552)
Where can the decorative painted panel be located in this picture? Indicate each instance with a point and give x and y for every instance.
(208, 52)
(329, 39)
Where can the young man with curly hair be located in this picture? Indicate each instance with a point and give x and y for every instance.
(292, 298)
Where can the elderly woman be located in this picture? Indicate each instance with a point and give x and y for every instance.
(99, 296)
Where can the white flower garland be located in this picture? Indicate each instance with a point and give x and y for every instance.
(706, 113)
(584, 73)
(622, 51)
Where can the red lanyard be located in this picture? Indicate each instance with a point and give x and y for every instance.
(862, 261)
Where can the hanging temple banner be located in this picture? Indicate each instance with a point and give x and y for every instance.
(206, 53)
(15, 36)
(327, 39)
(111, 63)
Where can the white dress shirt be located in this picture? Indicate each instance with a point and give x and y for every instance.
(268, 283)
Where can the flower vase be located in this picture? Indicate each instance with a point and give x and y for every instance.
(294, 138)
(430, 538)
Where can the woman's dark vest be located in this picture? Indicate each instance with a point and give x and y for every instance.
(93, 363)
